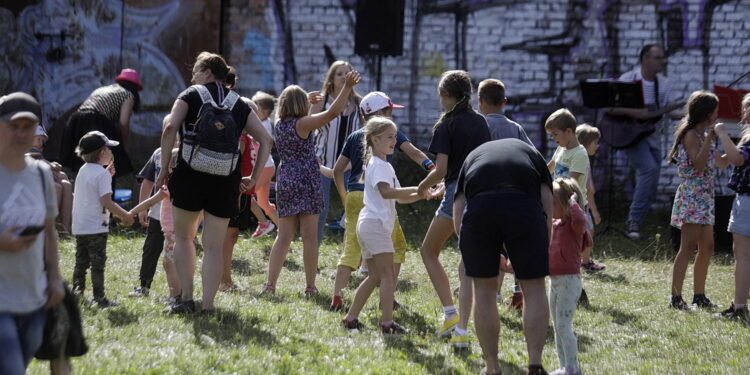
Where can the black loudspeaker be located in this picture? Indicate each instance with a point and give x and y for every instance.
(380, 28)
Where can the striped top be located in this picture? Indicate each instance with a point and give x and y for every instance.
(329, 140)
(107, 100)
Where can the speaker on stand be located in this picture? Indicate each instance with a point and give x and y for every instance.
(379, 31)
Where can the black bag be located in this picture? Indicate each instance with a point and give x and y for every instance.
(63, 328)
(211, 145)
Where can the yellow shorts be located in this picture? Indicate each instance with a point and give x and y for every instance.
(352, 253)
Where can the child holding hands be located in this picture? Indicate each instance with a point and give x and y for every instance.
(376, 221)
(92, 203)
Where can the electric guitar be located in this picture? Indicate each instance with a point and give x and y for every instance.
(625, 131)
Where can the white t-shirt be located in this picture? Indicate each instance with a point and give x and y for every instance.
(89, 216)
(377, 207)
(24, 202)
(269, 128)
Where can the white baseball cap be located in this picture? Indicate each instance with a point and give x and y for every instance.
(376, 101)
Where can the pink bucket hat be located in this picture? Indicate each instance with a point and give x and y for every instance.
(130, 75)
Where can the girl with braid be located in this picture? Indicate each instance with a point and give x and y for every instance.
(458, 131)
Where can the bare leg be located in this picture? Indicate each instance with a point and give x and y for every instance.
(741, 268)
(343, 274)
(703, 259)
(535, 317)
(284, 237)
(229, 241)
(486, 320)
(688, 242)
(465, 297)
(309, 230)
(257, 211)
(364, 291)
(439, 231)
(214, 233)
(384, 267)
(262, 191)
(185, 228)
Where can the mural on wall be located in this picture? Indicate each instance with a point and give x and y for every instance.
(61, 50)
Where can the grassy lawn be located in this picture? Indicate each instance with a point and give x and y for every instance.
(627, 329)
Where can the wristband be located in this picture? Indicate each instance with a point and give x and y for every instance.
(428, 165)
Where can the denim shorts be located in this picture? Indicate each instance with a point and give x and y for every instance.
(739, 220)
(446, 205)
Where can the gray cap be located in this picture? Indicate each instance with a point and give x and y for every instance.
(19, 105)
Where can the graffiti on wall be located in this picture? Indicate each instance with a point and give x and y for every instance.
(60, 52)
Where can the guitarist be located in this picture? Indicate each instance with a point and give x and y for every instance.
(645, 155)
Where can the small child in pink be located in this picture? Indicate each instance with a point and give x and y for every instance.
(569, 238)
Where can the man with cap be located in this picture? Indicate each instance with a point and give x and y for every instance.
(108, 109)
(351, 191)
(92, 203)
(29, 270)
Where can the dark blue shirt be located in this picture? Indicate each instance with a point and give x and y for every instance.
(353, 150)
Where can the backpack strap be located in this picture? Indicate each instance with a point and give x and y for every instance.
(205, 95)
(230, 100)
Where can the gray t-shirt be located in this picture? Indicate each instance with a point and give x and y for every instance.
(501, 128)
(25, 201)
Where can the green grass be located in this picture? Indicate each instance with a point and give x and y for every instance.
(628, 329)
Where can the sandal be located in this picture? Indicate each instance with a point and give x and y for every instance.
(311, 291)
(268, 289)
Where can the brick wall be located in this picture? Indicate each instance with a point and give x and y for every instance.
(704, 41)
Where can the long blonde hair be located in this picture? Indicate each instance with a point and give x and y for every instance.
(375, 126)
(331, 74)
(700, 105)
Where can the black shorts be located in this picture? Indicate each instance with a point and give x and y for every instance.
(195, 191)
(242, 220)
(511, 218)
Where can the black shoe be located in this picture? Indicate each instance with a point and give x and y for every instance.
(678, 303)
(103, 302)
(352, 325)
(536, 370)
(393, 329)
(702, 301)
(736, 314)
(182, 307)
(583, 300)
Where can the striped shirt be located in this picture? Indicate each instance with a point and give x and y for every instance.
(107, 100)
(329, 140)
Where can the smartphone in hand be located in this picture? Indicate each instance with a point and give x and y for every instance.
(31, 230)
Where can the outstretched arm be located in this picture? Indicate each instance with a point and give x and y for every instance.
(307, 124)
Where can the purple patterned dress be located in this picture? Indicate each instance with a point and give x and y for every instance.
(298, 183)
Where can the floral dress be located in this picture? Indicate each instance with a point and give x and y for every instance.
(694, 198)
(298, 183)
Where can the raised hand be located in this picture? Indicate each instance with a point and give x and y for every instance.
(314, 97)
(352, 78)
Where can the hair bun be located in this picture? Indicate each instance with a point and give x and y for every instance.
(231, 78)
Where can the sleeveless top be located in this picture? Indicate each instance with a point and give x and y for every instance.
(107, 100)
(329, 140)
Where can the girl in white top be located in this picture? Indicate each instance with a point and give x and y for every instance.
(375, 223)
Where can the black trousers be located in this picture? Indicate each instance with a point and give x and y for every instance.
(152, 248)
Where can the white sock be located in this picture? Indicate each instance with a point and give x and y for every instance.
(460, 332)
(449, 311)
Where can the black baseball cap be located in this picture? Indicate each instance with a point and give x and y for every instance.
(19, 105)
(93, 141)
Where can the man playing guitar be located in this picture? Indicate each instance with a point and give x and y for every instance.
(645, 154)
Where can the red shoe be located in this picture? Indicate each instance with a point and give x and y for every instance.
(337, 303)
(516, 301)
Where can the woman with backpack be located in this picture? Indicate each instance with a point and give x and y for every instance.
(209, 118)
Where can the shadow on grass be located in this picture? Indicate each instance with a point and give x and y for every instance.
(605, 277)
(618, 316)
(414, 321)
(243, 267)
(229, 328)
(405, 285)
(434, 363)
(512, 323)
(120, 316)
(292, 265)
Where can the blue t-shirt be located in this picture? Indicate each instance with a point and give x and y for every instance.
(353, 150)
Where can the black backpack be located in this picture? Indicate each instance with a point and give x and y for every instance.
(211, 144)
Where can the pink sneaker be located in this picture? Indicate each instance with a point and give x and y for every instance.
(264, 228)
